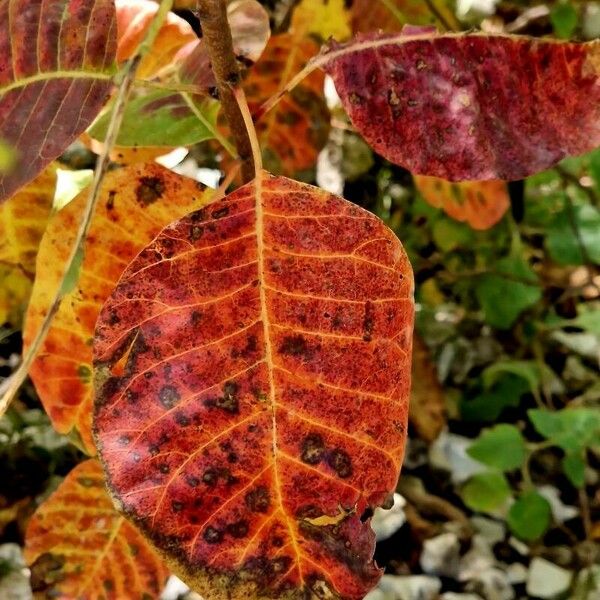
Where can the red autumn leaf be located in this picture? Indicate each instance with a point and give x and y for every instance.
(470, 106)
(252, 375)
(78, 546)
(55, 62)
(135, 204)
(480, 203)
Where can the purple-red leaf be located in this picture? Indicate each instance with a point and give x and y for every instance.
(470, 106)
(55, 61)
(252, 373)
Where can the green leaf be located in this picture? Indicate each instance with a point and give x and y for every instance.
(573, 465)
(501, 447)
(564, 19)
(504, 298)
(486, 491)
(162, 118)
(571, 429)
(563, 244)
(529, 517)
(449, 235)
(488, 405)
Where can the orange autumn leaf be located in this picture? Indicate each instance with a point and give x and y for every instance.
(392, 15)
(135, 204)
(252, 370)
(133, 20)
(427, 413)
(23, 219)
(481, 204)
(78, 546)
(292, 134)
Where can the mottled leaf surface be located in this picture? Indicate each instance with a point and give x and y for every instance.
(392, 15)
(135, 204)
(292, 134)
(23, 219)
(252, 370)
(481, 204)
(78, 546)
(470, 106)
(54, 61)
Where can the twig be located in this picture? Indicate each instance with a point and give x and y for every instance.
(217, 37)
(125, 80)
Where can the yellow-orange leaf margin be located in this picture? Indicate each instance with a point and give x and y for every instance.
(136, 202)
(78, 546)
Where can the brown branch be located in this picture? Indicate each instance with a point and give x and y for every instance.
(217, 37)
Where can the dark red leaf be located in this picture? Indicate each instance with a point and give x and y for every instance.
(470, 106)
(52, 59)
(252, 372)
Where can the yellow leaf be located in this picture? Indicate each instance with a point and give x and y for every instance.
(78, 546)
(135, 204)
(23, 218)
(324, 18)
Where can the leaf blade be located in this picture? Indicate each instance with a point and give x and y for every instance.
(73, 78)
(78, 546)
(460, 106)
(279, 464)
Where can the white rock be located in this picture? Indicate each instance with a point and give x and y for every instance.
(411, 587)
(386, 522)
(15, 584)
(547, 580)
(492, 531)
(517, 573)
(560, 511)
(492, 584)
(455, 596)
(449, 452)
(441, 554)
(478, 559)
(173, 589)
(521, 547)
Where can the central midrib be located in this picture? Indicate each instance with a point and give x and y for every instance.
(264, 315)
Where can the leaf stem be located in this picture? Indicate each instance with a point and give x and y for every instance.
(240, 97)
(217, 37)
(125, 80)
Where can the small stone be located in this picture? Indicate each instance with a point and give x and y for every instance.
(386, 522)
(441, 555)
(519, 546)
(492, 531)
(477, 560)
(547, 580)
(455, 596)
(491, 584)
(517, 573)
(560, 511)
(412, 587)
(449, 452)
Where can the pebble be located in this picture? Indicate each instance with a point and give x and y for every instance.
(411, 587)
(449, 452)
(386, 522)
(441, 555)
(491, 584)
(492, 531)
(479, 558)
(547, 580)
